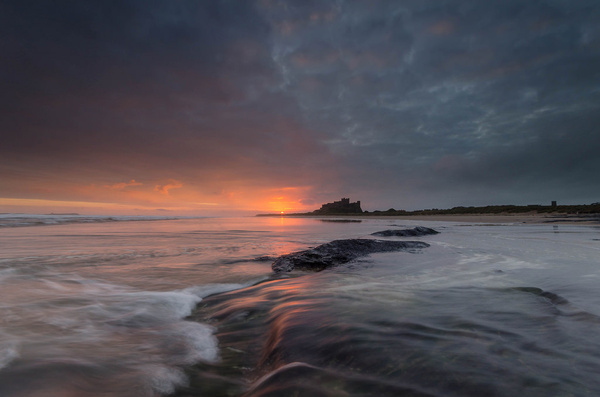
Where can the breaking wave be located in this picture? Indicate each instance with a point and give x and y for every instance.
(21, 220)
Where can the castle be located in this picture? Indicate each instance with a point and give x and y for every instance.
(344, 206)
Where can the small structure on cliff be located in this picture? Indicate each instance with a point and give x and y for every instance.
(344, 206)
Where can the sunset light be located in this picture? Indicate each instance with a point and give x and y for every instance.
(299, 198)
(276, 106)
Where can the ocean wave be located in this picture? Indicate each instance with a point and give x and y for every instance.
(22, 220)
(80, 328)
(316, 339)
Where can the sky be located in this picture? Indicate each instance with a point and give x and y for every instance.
(222, 107)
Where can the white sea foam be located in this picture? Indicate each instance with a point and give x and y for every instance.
(85, 322)
(164, 379)
(8, 352)
(203, 345)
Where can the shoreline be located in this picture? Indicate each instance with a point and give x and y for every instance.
(517, 218)
(527, 218)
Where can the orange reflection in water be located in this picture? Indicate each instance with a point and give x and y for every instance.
(287, 307)
(283, 220)
(284, 226)
(294, 291)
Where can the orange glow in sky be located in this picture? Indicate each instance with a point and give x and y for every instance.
(170, 197)
(217, 108)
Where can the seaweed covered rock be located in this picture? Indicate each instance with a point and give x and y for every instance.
(338, 252)
(416, 231)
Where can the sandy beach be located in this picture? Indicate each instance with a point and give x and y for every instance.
(507, 218)
(526, 218)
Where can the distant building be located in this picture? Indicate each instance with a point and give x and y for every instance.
(554, 204)
(344, 206)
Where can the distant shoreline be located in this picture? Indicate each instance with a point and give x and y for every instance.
(525, 218)
(575, 214)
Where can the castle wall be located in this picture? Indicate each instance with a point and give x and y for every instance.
(344, 206)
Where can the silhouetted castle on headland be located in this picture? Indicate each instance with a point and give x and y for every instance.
(344, 206)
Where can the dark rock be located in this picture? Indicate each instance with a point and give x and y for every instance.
(341, 220)
(417, 231)
(338, 252)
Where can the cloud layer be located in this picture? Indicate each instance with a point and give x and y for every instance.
(407, 104)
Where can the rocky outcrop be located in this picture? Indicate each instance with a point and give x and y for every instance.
(417, 231)
(339, 252)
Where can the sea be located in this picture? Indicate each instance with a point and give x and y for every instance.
(156, 306)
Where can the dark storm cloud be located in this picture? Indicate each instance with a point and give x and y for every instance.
(464, 95)
(185, 87)
(104, 51)
(412, 103)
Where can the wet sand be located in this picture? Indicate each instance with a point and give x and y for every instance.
(508, 218)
